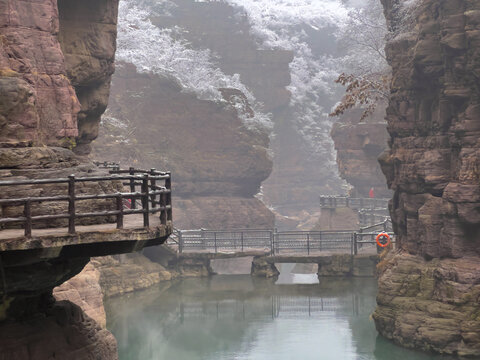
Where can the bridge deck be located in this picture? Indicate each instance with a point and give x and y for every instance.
(130, 222)
(226, 253)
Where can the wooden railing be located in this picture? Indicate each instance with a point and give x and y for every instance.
(154, 197)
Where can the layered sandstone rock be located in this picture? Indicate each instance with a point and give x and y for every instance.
(217, 163)
(358, 146)
(428, 296)
(63, 332)
(121, 274)
(51, 56)
(227, 32)
(84, 290)
(52, 53)
(38, 102)
(88, 32)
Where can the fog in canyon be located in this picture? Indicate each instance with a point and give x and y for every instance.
(271, 63)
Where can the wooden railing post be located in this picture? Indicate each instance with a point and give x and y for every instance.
(145, 203)
(153, 187)
(120, 210)
(71, 204)
(168, 202)
(132, 186)
(215, 239)
(28, 218)
(163, 212)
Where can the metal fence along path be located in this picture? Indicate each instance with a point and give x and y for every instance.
(370, 210)
(284, 242)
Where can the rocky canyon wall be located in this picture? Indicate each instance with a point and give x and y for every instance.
(358, 146)
(39, 104)
(56, 59)
(429, 290)
(218, 163)
(87, 35)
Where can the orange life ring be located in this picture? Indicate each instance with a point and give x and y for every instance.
(383, 235)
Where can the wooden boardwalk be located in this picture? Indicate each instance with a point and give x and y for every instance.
(141, 213)
(130, 223)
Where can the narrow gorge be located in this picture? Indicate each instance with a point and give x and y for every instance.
(225, 106)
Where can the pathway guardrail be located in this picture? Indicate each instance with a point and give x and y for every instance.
(151, 187)
(306, 242)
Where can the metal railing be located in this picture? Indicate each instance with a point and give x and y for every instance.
(277, 306)
(370, 210)
(237, 240)
(353, 203)
(155, 197)
(290, 242)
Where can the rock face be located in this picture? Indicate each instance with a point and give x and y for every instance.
(51, 56)
(64, 332)
(217, 163)
(38, 102)
(56, 59)
(226, 31)
(121, 274)
(84, 290)
(262, 268)
(88, 33)
(430, 305)
(358, 146)
(433, 119)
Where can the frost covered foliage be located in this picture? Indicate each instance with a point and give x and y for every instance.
(403, 21)
(163, 52)
(363, 39)
(290, 25)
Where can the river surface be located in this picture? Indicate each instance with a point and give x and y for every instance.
(228, 317)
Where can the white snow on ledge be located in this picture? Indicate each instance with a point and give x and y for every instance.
(160, 51)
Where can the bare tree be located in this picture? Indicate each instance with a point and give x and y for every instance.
(368, 77)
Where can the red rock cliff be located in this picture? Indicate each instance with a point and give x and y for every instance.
(56, 59)
(428, 292)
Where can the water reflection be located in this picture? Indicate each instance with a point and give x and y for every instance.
(297, 274)
(238, 317)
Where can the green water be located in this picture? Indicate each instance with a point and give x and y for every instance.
(239, 317)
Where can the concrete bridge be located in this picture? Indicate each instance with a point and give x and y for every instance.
(281, 242)
(337, 253)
